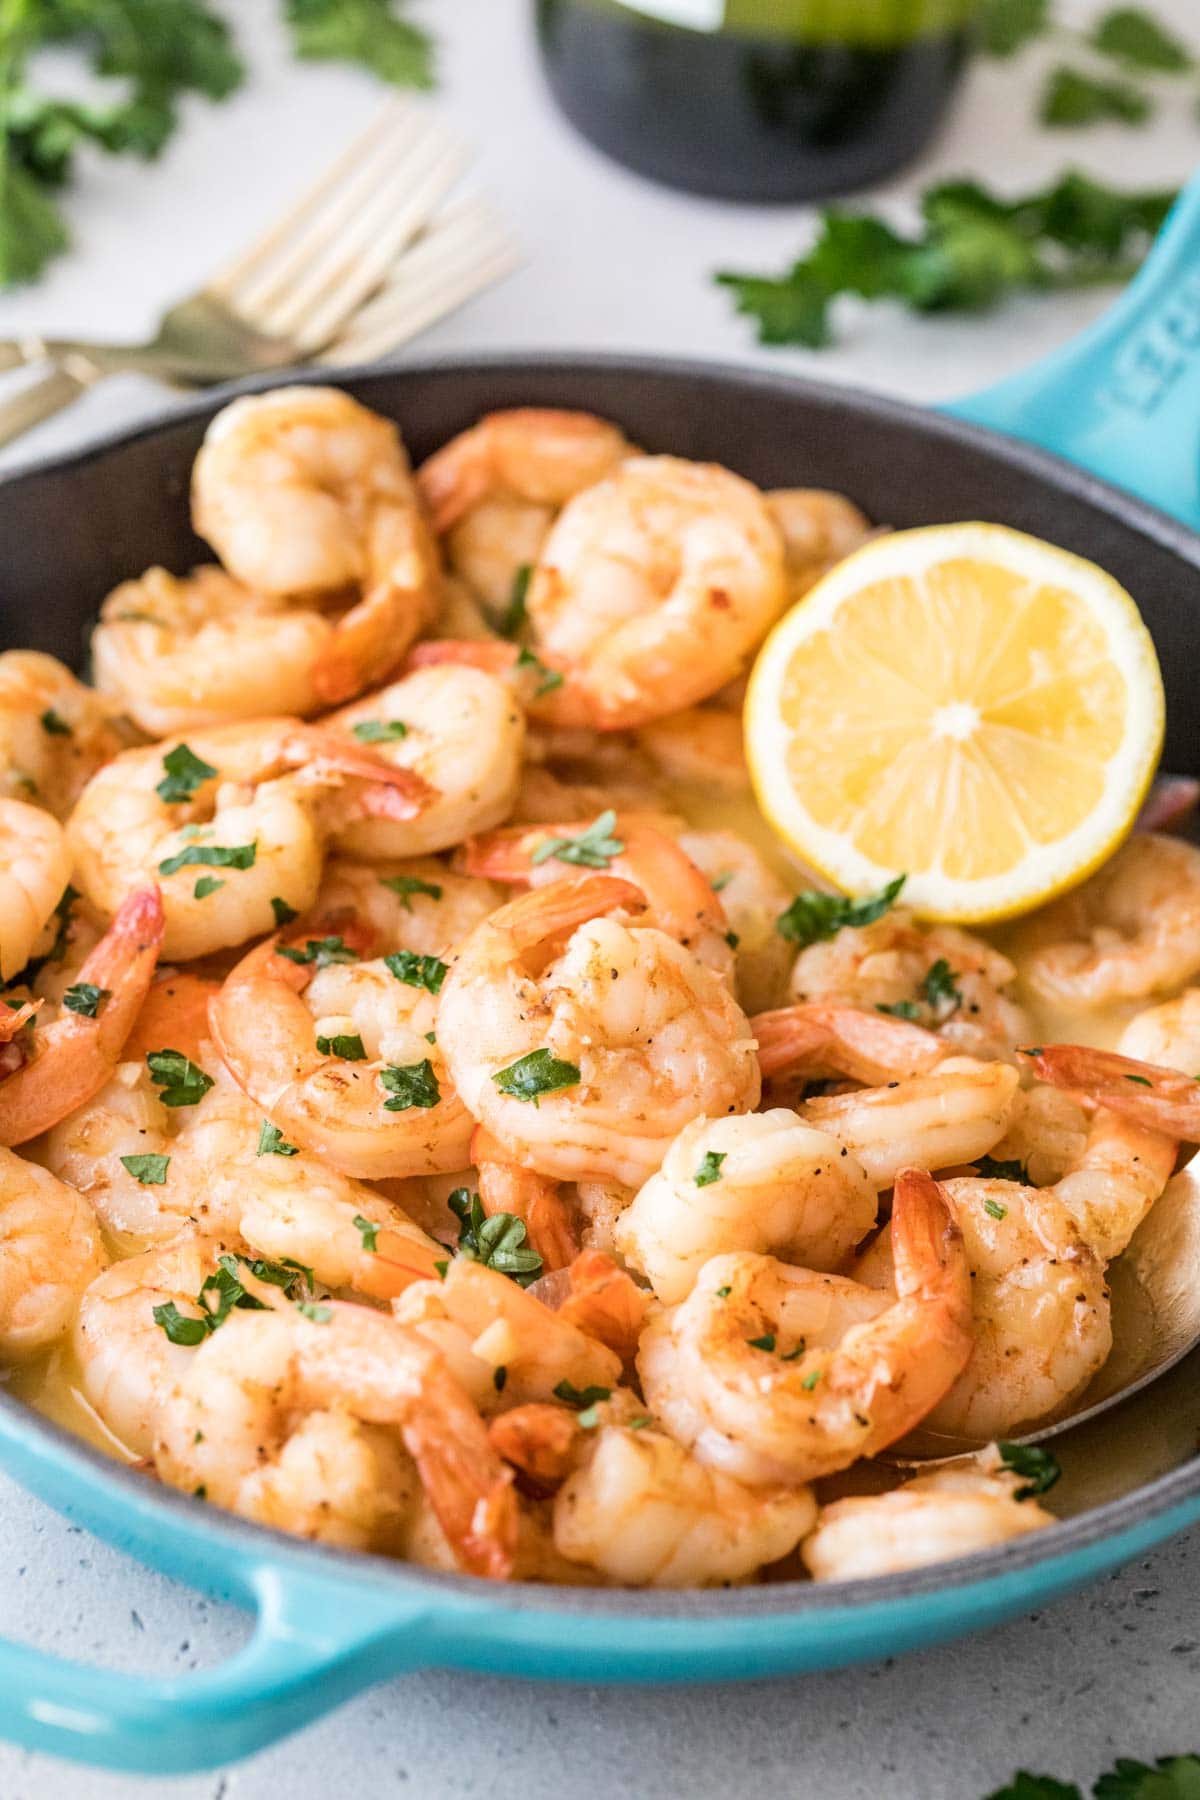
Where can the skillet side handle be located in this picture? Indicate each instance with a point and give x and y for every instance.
(315, 1644)
(1123, 398)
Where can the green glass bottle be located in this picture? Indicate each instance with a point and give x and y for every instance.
(774, 100)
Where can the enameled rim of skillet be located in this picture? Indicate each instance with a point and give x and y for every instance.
(1110, 1519)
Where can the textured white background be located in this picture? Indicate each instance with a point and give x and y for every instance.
(612, 263)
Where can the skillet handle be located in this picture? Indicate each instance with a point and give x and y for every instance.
(315, 1644)
(1123, 398)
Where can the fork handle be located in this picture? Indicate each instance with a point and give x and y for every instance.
(57, 389)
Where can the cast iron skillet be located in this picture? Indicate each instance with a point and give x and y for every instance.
(330, 1623)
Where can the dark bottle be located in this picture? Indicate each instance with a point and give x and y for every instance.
(756, 99)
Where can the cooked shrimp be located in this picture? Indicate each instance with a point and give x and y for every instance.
(463, 733)
(483, 1322)
(340, 1059)
(1131, 931)
(1167, 1035)
(412, 904)
(493, 490)
(1041, 1312)
(777, 1374)
(752, 897)
(653, 589)
(183, 652)
(699, 748)
(932, 1110)
(50, 1249)
(35, 867)
(946, 979)
(819, 528)
(537, 1200)
(256, 802)
(646, 1514)
(127, 1362)
(618, 1033)
(304, 491)
(676, 897)
(230, 1423)
(54, 732)
(69, 1060)
(953, 1512)
(605, 1302)
(764, 1182)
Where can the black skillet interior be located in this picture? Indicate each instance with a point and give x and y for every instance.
(72, 528)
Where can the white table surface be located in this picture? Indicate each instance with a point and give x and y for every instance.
(615, 264)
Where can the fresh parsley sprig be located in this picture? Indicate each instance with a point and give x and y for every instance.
(1123, 53)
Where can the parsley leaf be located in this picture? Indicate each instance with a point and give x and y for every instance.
(321, 952)
(1073, 98)
(989, 1169)
(580, 1398)
(284, 914)
(1137, 38)
(380, 731)
(413, 1084)
(548, 679)
(211, 856)
(592, 848)
(938, 988)
(1038, 1468)
(710, 1168)
(994, 1209)
(84, 998)
(271, 1142)
(185, 772)
(514, 614)
(497, 1241)
(180, 1329)
(368, 1231)
(149, 1169)
(813, 916)
(54, 725)
(408, 885)
(416, 971)
(1025, 1786)
(346, 1044)
(899, 1009)
(540, 1072)
(765, 1342)
(1006, 26)
(181, 1082)
(207, 884)
(1169, 1778)
(369, 32)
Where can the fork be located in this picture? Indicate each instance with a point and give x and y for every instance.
(360, 263)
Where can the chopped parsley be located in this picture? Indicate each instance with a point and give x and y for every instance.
(416, 971)
(710, 1168)
(581, 1398)
(499, 1378)
(813, 916)
(315, 1313)
(380, 731)
(513, 621)
(185, 772)
(1038, 1468)
(994, 1210)
(83, 998)
(592, 848)
(179, 1327)
(207, 884)
(498, 1241)
(271, 1142)
(54, 725)
(721, 881)
(938, 989)
(150, 1170)
(548, 679)
(181, 1081)
(320, 952)
(1140, 1080)
(541, 1072)
(765, 1342)
(723, 1293)
(346, 1044)
(210, 856)
(900, 1009)
(991, 1170)
(408, 885)
(368, 1231)
(409, 1085)
(810, 1381)
(284, 914)
(224, 1290)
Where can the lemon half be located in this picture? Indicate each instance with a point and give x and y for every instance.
(965, 704)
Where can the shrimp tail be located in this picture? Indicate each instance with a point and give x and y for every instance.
(1163, 1100)
(822, 1040)
(470, 1491)
(927, 1243)
(540, 1441)
(606, 1303)
(77, 1053)
(506, 1187)
(12, 1021)
(554, 912)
